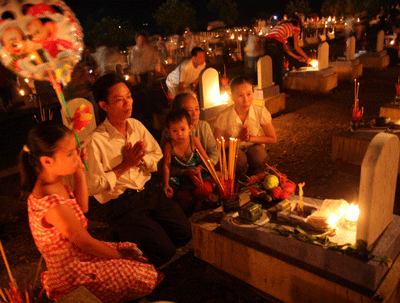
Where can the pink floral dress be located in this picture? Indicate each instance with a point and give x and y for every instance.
(68, 267)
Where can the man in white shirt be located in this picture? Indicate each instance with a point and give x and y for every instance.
(122, 155)
(186, 76)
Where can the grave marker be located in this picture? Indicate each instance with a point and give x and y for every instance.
(209, 91)
(380, 41)
(323, 55)
(264, 72)
(377, 187)
(209, 87)
(350, 48)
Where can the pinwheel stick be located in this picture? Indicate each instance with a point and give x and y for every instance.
(61, 98)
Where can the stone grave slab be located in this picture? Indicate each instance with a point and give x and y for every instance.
(274, 104)
(382, 53)
(331, 265)
(312, 72)
(347, 70)
(312, 83)
(266, 92)
(344, 63)
(351, 147)
(211, 112)
(377, 187)
(390, 110)
(374, 60)
(278, 275)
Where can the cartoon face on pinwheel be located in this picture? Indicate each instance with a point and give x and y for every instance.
(39, 39)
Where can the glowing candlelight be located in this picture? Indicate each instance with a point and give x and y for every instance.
(314, 63)
(22, 92)
(352, 213)
(126, 77)
(333, 221)
(224, 97)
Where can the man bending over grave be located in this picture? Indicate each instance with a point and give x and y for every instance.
(186, 76)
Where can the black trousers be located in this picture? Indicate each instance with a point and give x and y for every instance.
(148, 218)
(274, 49)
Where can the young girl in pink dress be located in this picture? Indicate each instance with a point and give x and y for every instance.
(113, 272)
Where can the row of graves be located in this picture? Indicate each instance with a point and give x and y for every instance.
(295, 248)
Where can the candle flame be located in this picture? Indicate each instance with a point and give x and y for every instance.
(314, 63)
(352, 212)
(224, 97)
(22, 92)
(333, 220)
(126, 77)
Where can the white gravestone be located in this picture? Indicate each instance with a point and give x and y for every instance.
(264, 72)
(323, 55)
(210, 97)
(209, 88)
(377, 187)
(350, 48)
(265, 87)
(380, 41)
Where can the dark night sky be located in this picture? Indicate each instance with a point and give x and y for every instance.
(140, 11)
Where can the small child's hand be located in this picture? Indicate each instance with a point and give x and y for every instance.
(169, 192)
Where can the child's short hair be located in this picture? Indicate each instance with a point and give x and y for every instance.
(177, 115)
(240, 80)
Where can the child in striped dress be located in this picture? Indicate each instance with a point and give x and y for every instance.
(113, 272)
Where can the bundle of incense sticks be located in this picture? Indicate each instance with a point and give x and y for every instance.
(226, 180)
(211, 170)
(357, 111)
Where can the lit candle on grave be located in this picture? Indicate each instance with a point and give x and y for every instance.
(333, 221)
(314, 63)
(351, 216)
(224, 97)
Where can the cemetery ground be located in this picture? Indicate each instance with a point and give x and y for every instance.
(303, 152)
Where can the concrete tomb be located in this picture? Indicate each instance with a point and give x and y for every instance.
(267, 93)
(378, 59)
(351, 68)
(376, 226)
(314, 80)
